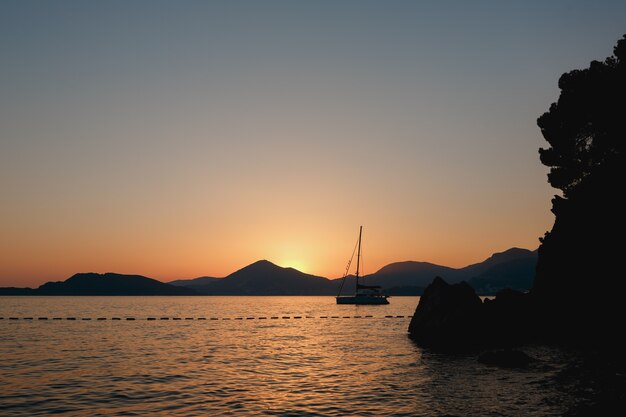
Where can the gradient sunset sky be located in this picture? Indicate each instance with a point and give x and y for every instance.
(176, 139)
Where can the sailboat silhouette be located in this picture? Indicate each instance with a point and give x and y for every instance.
(364, 294)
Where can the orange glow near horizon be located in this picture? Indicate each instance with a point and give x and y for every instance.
(316, 251)
(256, 132)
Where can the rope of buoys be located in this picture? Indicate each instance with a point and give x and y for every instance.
(127, 318)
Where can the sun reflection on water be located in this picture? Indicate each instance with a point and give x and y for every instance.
(330, 367)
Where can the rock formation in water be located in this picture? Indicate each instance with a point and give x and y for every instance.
(447, 316)
(452, 317)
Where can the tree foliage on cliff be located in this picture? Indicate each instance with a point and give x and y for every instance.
(586, 128)
(580, 257)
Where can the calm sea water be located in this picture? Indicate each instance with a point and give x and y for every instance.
(240, 364)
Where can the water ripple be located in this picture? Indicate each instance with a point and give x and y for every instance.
(292, 367)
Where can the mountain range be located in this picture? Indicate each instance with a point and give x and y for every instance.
(513, 268)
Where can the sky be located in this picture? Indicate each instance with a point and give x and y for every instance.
(176, 139)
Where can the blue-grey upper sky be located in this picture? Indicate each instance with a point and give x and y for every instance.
(181, 138)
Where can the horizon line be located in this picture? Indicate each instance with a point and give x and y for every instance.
(280, 266)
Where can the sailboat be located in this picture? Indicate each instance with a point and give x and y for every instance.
(364, 294)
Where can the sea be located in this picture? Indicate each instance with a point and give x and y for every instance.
(250, 356)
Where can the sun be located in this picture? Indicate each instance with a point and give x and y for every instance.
(295, 264)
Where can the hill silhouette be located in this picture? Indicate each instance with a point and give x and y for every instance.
(103, 284)
(499, 258)
(517, 274)
(512, 268)
(266, 278)
(413, 273)
(193, 283)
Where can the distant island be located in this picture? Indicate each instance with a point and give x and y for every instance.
(513, 268)
(102, 284)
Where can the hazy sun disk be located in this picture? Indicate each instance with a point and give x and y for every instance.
(295, 264)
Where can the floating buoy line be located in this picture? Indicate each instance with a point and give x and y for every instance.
(196, 318)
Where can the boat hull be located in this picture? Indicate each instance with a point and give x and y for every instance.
(361, 299)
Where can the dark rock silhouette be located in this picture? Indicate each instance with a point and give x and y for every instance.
(447, 317)
(451, 317)
(509, 318)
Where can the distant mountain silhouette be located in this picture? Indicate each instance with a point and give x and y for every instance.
(194, 283)
(513, 268)
(411, 273)
(517, 274)
(497, 259)
(17, 291)
(103, 284)
(404, 290)
(265, 278)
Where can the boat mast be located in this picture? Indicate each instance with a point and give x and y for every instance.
(358, 258)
